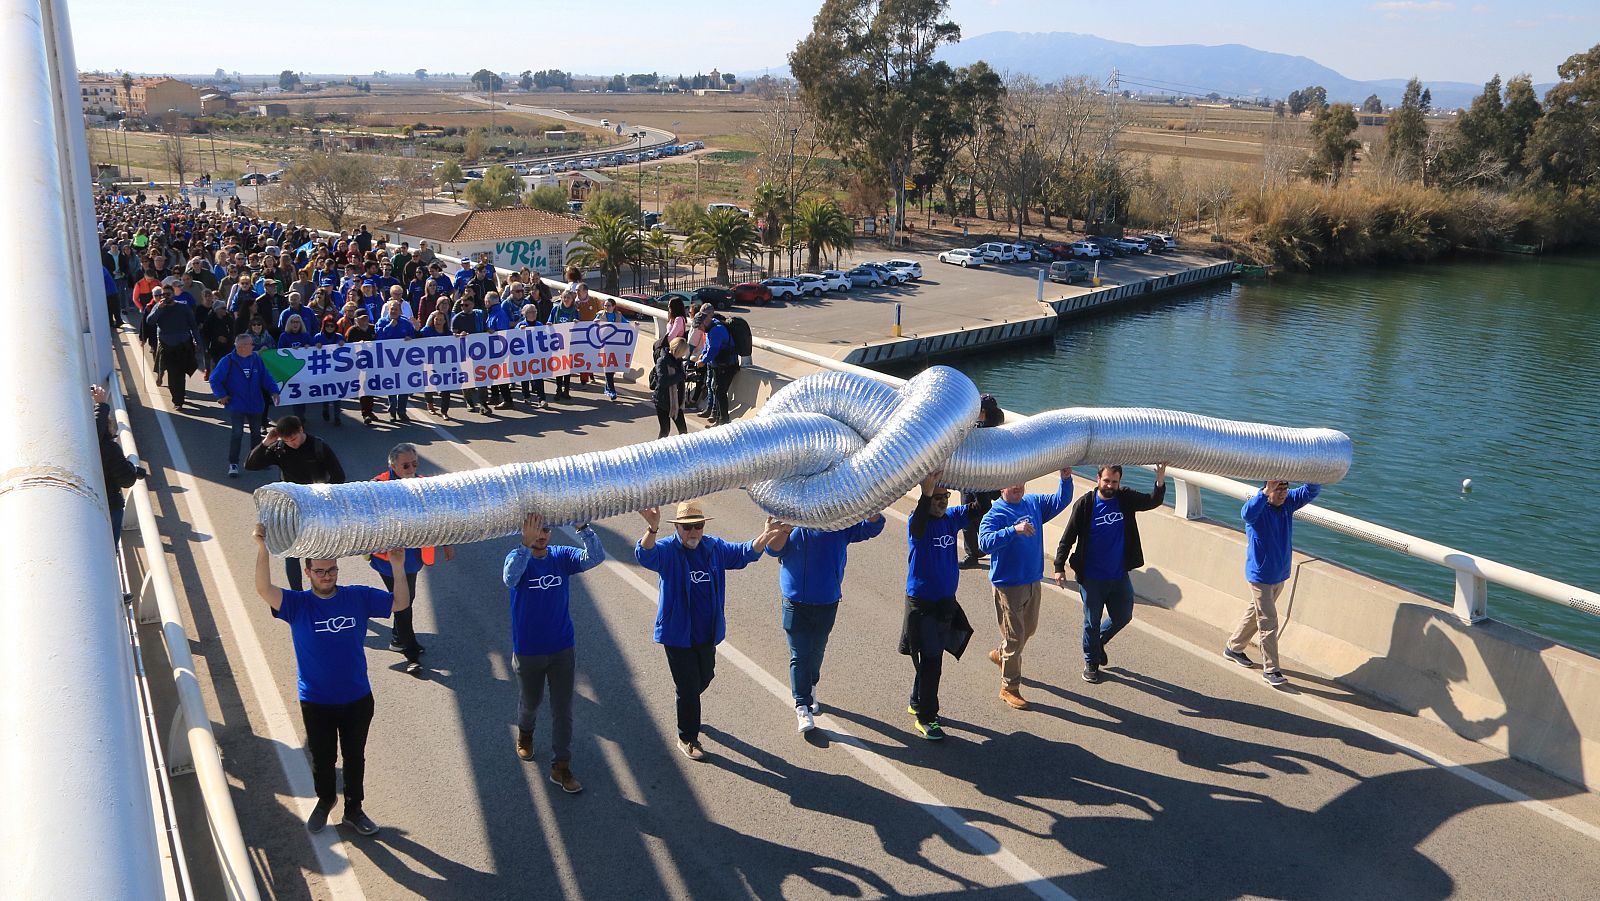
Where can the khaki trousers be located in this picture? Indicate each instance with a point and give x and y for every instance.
(1017, 609)
(1261, 617)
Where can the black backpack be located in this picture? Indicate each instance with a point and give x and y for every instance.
(739, 331)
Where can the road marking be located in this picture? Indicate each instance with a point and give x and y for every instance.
(338, 875)
(982, 843)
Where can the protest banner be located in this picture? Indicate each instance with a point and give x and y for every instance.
(450, 363)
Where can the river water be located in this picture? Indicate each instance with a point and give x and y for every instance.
(1488, 370)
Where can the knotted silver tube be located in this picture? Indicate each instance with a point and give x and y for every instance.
(826, 451)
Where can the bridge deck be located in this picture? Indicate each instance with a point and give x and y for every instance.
(1181, 775)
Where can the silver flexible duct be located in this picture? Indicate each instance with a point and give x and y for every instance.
(826, 451)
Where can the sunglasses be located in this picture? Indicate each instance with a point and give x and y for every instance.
(695, 527)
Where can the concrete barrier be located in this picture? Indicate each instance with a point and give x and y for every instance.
(1098, 300)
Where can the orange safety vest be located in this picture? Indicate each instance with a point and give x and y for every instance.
(427, 552)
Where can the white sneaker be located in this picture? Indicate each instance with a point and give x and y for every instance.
(816, 705)
(803, 715)
(233, 470)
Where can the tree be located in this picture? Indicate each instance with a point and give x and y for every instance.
(1406, 142)
(486, 81)
(420, 74)
(1373, 104)
(1522, 113)
(525, 80)
(1297, 103)
(619, 203)
(643, 80)
(288, 80)
(608, 243)
(473, 147)
(398, 179)
(659, 249)
(1564, 149)
(549, 198)
(867, 73)
(499, 187)
(725, 236)
(177, 157)
(617, 85)
(1316, 98)
(683, 215)
(220, 75)
(1333, 148)
(329, 184)
(552, 78)
(771, 209)
(449, 174)
(822, 227)
(1427, 100)
(729, 79)
(954, 131)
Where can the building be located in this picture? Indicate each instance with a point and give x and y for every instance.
(99, 94)
(513, 238)
(273, 110)
(156, 96)
(214, 102)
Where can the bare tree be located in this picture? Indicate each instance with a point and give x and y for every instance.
(177, 157)
(330, 185)
(785, 133)
(397, 189)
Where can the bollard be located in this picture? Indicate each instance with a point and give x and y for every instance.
(895, 331)
(1096, 280)
(1042, 273)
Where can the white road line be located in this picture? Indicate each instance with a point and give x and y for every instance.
(338, 875)
(982, 843)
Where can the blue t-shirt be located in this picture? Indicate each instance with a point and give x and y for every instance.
(328, 640)
(1106, 533)
(932, 573)
(540, 589)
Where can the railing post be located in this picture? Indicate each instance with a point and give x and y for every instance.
(1187, 501)
(1472, 597)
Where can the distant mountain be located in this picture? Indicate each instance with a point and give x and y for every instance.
(1232, 70)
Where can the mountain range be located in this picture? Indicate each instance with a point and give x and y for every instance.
(1231, 70)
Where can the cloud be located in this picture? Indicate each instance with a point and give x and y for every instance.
(1413, 6)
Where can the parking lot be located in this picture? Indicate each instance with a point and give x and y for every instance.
(947, 297)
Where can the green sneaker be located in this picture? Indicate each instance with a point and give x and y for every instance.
(930, 731)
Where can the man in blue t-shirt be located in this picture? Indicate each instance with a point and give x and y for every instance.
(1269, 549)
(932, 614)
(811, 578)
(1104, 526)
(543, 641)
(1010, 534)
(692, 567)
(328, 625)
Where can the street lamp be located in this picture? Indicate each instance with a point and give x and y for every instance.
(640, 135)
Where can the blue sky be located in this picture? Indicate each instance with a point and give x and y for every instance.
(1436, 39)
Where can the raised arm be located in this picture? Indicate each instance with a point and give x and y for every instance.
(264, 587)
(652, 525)
(402, 585)
(593, 553)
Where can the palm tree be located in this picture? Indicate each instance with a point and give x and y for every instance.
(609, 243)
(658, 247)
(725, 236)
(821, 225)
(771, 208)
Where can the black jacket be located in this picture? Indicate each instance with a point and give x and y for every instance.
(119, 471)
(1078, 529)
(312, 463)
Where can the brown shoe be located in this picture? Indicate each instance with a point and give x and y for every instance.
(1013, 698)
(994, 656)
(561, 774)
(692, 750)
(524, 745)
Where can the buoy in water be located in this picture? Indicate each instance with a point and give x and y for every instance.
(1466, 485)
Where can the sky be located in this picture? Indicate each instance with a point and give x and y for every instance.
(1367, 39)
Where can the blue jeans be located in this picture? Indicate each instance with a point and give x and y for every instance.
(1101, 597)
(236, 422)
(807, 626)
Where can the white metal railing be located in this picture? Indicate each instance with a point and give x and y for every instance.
(191, 745)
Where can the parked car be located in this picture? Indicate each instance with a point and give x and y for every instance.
(253, 178)
(910, 269)
(574, 206)
(891, 275)
(1133, 245)
(1166, 242)
(865, 276)
(1022, 253)
(751, 292)
(782, 287)
(811, 285)
(1038, 252)
(1108, 246)
(643, 299)
(962, 257)
(275, 176)
(1068, 271)
(1087, 250)
(721, 298)
(835, 279)
(998, 252)
(663, 300)
(1060, 249)
(715, 207)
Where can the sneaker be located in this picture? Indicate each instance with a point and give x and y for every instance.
(524, 745)
(994, 656)
(1013, 698)
(1274, 678)
(612, 395)
(1091, 673)
(911, 709)
(360, 822)
(803, 714)
(561, 774)
(930, 731)
(233, 470)
(318, 818)
(1238, 657)
(692, 750)
(816, 705)
(1104, 660)
(414, 648)
(971, 563)
(413, 668)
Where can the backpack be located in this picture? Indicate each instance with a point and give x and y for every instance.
(739, 331)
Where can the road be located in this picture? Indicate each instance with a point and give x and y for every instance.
(1181, 775)
(653, 137)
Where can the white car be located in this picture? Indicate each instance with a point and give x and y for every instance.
(811, 284)
(1086, 250)
(1133, 245)
(962, 257)
(997, 252)
(910, 268)
(832, 279)
(1021, 253)
(782, 287)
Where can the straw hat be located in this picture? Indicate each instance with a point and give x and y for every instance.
(689, 513)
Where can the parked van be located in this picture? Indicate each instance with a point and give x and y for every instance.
(1067, 272)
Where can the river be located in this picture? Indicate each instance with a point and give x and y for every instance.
(1488, 370)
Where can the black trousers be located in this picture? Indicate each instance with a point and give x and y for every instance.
(666, 421)
(978, 503)
(928, 627)
(721, 382)
(403, 633)
(693, 668)
(333, 729)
